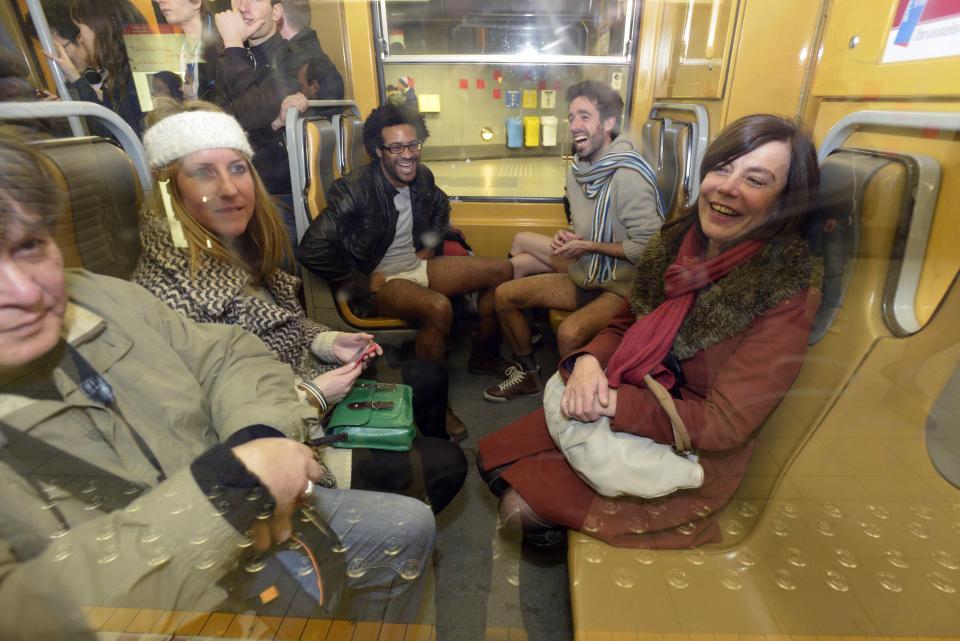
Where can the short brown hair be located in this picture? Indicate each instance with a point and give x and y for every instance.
(297, 13)
(607, 101)
(27, 188)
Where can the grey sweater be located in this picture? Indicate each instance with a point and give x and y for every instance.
(634, 220)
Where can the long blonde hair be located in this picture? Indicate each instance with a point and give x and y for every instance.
(265, 236)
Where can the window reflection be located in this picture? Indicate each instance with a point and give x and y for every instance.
(561, 27)
(524, 109)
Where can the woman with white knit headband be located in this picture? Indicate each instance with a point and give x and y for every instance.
(214, 249)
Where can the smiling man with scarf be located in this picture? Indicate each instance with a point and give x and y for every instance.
(614, 208)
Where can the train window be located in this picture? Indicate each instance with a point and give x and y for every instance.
(490, 27)
(491, 79)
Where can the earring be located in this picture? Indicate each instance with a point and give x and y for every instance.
(176, 229)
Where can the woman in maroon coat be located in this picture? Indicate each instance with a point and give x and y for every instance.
(721, 307)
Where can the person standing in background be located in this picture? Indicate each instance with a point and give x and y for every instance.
(198, 52)
(306, 61)
(101, 25)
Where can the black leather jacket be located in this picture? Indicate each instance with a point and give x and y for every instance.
(349, 238)
(250, 85)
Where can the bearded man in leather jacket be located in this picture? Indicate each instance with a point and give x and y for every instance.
(380, 241)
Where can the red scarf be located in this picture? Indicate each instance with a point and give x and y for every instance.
(649, 339)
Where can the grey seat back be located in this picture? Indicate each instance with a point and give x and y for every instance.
(651, 141)
(99, 228)
(844, 178)
(669, 176)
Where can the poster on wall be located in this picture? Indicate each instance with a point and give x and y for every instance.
(924, 29)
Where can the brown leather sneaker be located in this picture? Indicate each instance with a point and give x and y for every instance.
(517, 383)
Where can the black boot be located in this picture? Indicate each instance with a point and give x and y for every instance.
(485, 357)
(493, 477)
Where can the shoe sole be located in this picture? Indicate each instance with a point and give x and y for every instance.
(503, 399)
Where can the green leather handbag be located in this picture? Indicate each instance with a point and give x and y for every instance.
(375, 415)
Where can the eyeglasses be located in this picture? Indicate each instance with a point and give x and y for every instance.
(397, 148)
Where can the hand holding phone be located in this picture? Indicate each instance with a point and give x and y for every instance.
(370, 349)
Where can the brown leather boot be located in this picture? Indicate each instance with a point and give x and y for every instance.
(455, 427)
(485, 357)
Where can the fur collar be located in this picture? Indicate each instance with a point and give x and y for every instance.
(781, 269)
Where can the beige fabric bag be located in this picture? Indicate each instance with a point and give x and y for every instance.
(618, 463)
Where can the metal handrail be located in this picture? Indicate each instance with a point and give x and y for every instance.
(298, 174)
(35, 10)
(65, 109)
(699, 139)
(506, 59)
(899, 305)
(901, 310)
(851, 123)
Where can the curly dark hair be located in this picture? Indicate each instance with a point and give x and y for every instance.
(390, 115)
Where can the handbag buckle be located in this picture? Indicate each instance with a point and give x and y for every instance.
(379, 387)
(371, 405)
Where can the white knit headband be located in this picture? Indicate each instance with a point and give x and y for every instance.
(184, 133)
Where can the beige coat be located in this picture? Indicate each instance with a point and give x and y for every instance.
(185, 388)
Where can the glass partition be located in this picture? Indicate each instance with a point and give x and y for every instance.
(491, 78)
(495, 130)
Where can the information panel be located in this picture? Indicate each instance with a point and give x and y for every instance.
(922, 30)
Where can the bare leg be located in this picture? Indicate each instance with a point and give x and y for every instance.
(581, 326)
(429, 310)
(543, 290)
(531, 254)
(455, 275)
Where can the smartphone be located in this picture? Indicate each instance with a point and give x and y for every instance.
(367, 350)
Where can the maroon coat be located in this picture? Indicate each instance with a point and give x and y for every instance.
(739, 351)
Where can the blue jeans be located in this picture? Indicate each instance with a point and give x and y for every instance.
(387, 541)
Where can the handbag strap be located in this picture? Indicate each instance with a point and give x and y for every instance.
(681, 439)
